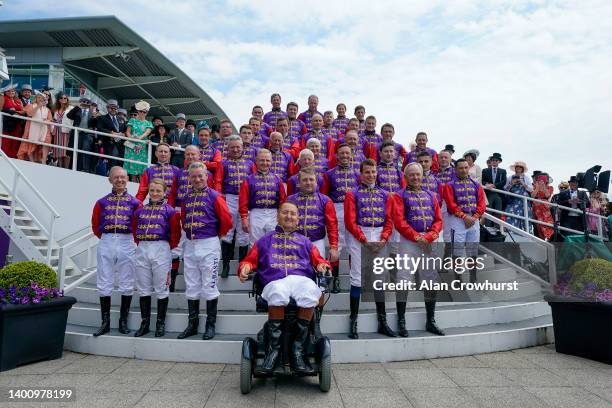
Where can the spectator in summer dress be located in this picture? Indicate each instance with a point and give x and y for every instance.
(139, 129)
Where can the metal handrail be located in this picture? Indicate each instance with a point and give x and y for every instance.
(527, 221)
(50, 231)
(61, 266)
(550, 250)
(84, 130)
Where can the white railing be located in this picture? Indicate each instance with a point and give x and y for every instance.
(527, 221)
(90, 240)
(78, 132)
(13, 191)
(549, 248)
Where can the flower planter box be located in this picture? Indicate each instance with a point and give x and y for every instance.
(33, 332)
(582, 328)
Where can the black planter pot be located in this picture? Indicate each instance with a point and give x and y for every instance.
(582, 328)
(33, 332)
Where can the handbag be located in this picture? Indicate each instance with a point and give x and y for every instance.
(129, 144)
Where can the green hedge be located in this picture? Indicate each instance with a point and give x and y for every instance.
(22, 274)
(591, 270)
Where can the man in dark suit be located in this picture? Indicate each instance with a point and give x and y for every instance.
(494, 177)
(83, 117)
(574, 198)
(112, 123)
(181, 137)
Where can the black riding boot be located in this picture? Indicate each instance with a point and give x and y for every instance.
(299, 359)
(430, 310)
(211, 319)
(353, 334)
(105, 304)
(336, 280)
(383, 327)
(275, 331)
(145, 315)
(242, 252)
(318, 312)
(401, 319)
(123, 314)
(173, 275)
(227, 253)
(194, 319)
(160, 324)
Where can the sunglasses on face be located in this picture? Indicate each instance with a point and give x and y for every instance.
(142, 111)
(133, 115)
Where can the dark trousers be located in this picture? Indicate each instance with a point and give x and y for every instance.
(495, 202)
(86, 162)
(574, 223)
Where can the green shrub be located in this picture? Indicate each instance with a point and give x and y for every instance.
(22, 274)
(595, 273)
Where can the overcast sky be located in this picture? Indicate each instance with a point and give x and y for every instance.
(529, 79)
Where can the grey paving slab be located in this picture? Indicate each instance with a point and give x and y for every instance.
(107, 399)
(47, 366)
(227, 393)
(144, 366)
(420, 377)
(93, 364)
(585, 377)
(440, 398)
(82, 382)
(372, 378)
(534, 377)
(475, 377)
(21, 380)
(197, 368)
(358, 366)
(603, 392)
(458, 362)
(408, 364)
(178, 399)
(505, 397)
(557, 360)
(305, 393)
(128, 382)
(505, 359)
(547, 348)
(570, 397)
(187, 382)
(374, 398)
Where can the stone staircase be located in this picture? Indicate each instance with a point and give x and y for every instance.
(30, 238)
(518, 319)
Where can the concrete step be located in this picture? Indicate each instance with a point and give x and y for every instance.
(250, 322)
(238, 300)
(371, 347)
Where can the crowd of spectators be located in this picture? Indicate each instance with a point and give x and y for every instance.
(140, 131)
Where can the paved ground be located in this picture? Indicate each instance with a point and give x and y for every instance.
(532, 377)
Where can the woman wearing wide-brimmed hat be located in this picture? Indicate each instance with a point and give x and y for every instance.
(475, 171)
(520, 183)
(138, 129)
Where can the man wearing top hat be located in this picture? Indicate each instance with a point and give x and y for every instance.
(494, 177)
(114, 124)
(83, 117)
(575, 199)
(180, 137)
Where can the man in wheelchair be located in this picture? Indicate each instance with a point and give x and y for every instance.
(284, 260)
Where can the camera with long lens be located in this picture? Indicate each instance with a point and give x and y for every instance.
(594, 179)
